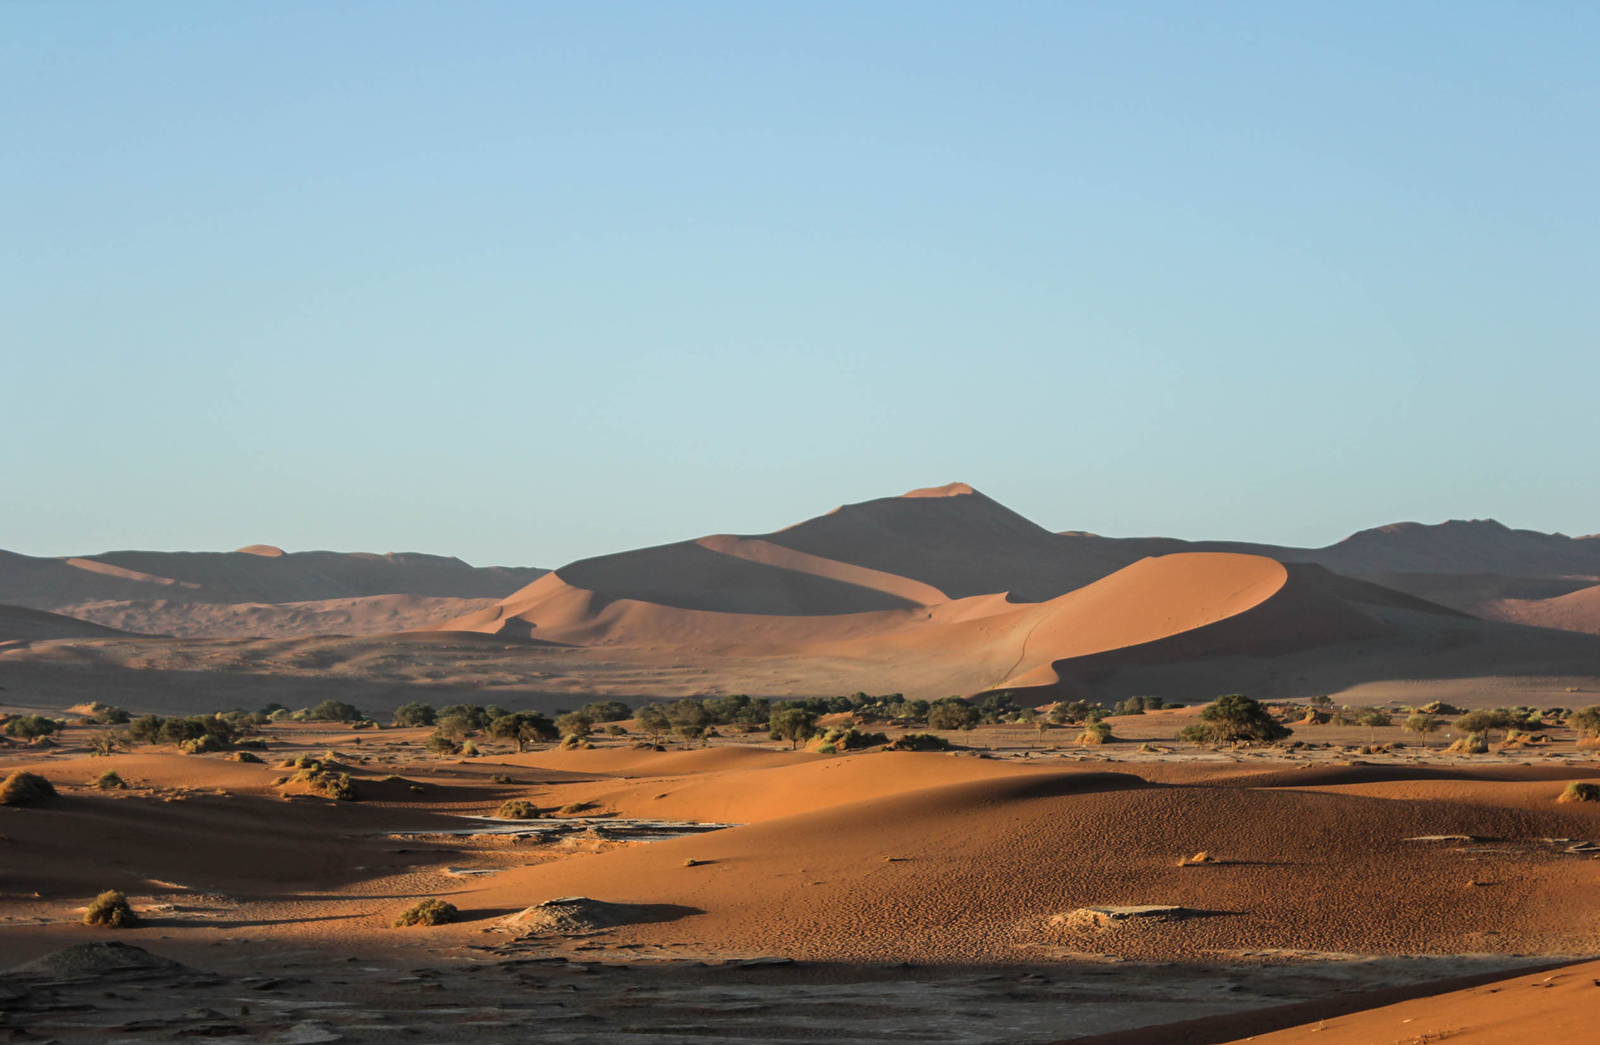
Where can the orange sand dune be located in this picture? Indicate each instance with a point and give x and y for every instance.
(751, 788)
(971, 870)
(1194, 603)
(1558, 1006)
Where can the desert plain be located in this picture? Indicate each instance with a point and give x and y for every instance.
(917, 769)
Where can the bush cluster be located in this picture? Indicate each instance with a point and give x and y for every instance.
(1234, 718)
(26, 727)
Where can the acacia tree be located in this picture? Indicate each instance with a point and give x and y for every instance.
(525, 727)
(1421, 724)
(1232, 718)
(793, 724)
(1373, 719)
(654, 721)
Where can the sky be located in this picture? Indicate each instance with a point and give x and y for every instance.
(525, 283)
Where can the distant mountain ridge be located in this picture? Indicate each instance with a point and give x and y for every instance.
(203, 593)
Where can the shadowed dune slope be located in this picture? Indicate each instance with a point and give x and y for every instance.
(1457, 547)
(21, 623)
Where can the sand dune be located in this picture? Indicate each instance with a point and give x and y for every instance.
(1576, 611)
(983, 640)
(369, 615)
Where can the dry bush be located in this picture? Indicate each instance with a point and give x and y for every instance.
(111, 910)
(1473, 744)
(1577, 792)
(1202, 857)
(202, 745)
(329, 784)
(428, 912)
(110, 780)
(23, 788)
(245, 756)
(919, 742)
(517, 809)
(1095, 733)
(573, 808)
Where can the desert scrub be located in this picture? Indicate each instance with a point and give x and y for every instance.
(111, 910)
(573, 808)
(517, 809)
(328, 784)
(202, 745)
(245, 756)
(110, 780)
(1095, 733)
(919, 742)
(23, 788)
(428, 912)
(1473, 744)
(1577, 792)
(501, 778)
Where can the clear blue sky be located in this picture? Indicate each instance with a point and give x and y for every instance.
(527, 282)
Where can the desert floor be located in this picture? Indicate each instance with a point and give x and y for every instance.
(788, 895)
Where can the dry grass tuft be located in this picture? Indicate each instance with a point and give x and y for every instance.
(1579, 792)
(23, 788)
(111, 910)
(428, 912)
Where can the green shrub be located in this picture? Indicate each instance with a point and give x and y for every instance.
(428, 912)
(415, 714)
(517, 809)
(335, 711)
(111, 910)
(827, 749)
(202, 745)
(110, 780)
(573, 808)
(952, 713)
(106, 714)
(26, 727)
(1578, 792)
(23, 788)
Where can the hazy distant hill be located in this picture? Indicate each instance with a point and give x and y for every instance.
(258, 590)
